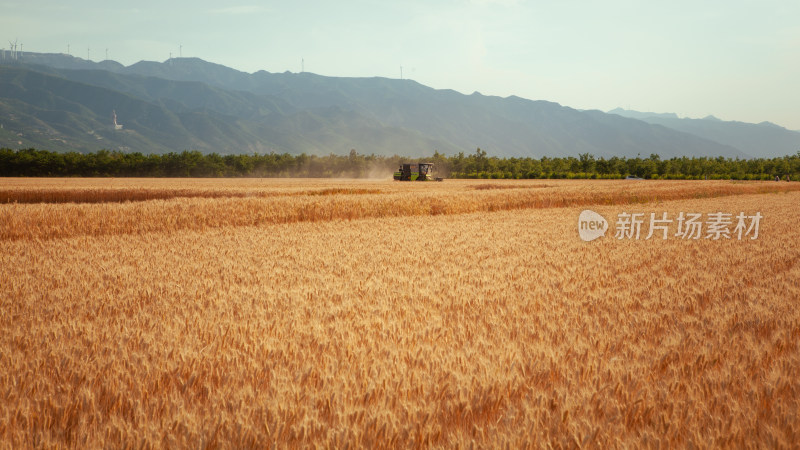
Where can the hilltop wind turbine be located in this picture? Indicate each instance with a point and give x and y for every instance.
(13, 46)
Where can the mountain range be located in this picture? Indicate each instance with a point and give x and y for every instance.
(59, 102)
(762, 139)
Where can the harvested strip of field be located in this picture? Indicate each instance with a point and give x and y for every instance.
(46, 221)
(489, 186)
(106, 195)
(100, 195)
(340, 191)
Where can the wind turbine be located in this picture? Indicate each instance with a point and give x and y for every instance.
(13, 48)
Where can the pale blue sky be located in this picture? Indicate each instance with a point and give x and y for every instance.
(735, 59)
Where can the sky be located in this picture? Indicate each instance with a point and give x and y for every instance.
(735, 59)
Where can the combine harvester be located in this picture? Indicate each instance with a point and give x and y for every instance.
(416, 172)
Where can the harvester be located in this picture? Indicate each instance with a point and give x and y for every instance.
(416, 172)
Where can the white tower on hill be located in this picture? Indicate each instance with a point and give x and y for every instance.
(116, 125)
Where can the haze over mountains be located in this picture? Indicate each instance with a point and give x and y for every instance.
(762, 139)
(59, 102)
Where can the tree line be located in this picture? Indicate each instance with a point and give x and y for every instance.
(104, 163)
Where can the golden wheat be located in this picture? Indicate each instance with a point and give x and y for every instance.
(400, 329)
(94, 210)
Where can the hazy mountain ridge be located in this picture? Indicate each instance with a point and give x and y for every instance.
(764, 139)
(187, 103)
(162, 115)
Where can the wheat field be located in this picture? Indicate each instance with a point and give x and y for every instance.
(351, 313)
